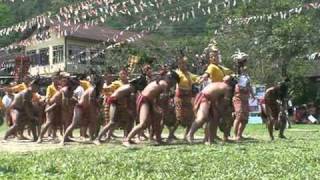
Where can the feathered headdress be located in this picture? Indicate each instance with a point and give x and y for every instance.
(239, 56)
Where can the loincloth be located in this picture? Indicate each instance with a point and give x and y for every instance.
(122, 114)
(112, 100)
(202, 97)
(142, 100)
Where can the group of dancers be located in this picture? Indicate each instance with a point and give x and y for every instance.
(149, 102)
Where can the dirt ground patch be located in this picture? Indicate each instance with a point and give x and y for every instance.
(26, 146)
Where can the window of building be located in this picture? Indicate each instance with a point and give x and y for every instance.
(32, 55)
(77, 54)
(44, 56)
(97, 57)
(57, 54)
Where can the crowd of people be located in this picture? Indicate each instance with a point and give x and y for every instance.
(170, 97)
(306, 114)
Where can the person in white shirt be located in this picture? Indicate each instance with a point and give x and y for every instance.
(78, 92)
(7, 99)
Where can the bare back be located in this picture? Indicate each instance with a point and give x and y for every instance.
(217, 90)
(271, 93)
(123, 91)
(86, 97)
(154, 89)
(21, 98)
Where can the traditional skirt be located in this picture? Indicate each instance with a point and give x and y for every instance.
(122, 116)
(183, 107)
(241, 108)
(167, 107)
(106, 114)
(226, 120)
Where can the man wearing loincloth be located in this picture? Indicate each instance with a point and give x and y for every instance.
(86, 112)
(146, 108)
(208, 106)
(59, 108)
(21, 111)
(273, 109)
(118, 102)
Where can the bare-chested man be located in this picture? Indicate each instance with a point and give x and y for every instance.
(60, 107)
(208, 105)
(117, 111)
(21, 111)
(86, 112)
(146, 108)
(274, 108)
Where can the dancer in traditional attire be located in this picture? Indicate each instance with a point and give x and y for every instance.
(21, 111)
(86, 112)
(242, 93)
(145, 106)
(273, 110)
(119, 113)
(184, 95)
(60, 107)
(208, 106)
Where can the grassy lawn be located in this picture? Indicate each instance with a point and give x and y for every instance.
(298, 157)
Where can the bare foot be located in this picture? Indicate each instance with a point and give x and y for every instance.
(128, 143)
(142, 136)
(114, 136)
(97, 142)
(226, 139)
(237, 138)
(189, 139)
(208, 143)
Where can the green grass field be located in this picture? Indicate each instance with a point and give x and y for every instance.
(297, 157)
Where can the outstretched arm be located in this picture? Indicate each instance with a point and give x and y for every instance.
(202, 78)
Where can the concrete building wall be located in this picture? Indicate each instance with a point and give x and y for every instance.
(67, 65)
(49, 43)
